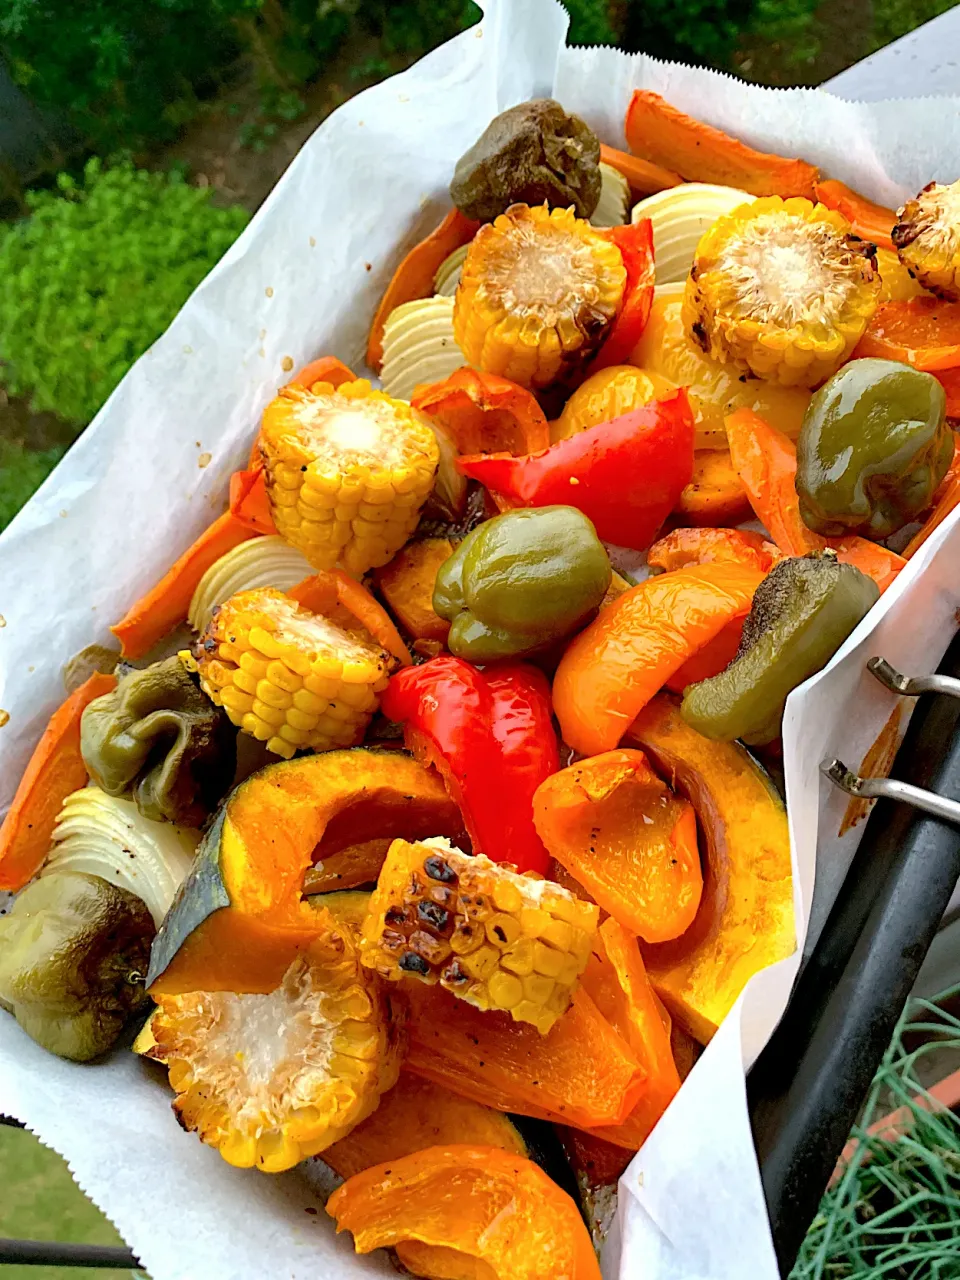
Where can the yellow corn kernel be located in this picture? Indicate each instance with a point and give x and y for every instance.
(325, 450)
(538, 292)
(433, 917)
(300, 680)
(927, 238)
(782, 288)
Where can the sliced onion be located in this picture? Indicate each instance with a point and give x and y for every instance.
(261, 562)
(680, 216)
(611, 210)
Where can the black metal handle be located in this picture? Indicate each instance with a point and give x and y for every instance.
(808, 1085)
(53, 1253)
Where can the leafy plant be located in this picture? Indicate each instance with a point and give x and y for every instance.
(706, 31)
(95, 274)
(894, 18)
(21, 473)
(589, 22)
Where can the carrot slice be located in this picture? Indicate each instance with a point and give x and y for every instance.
(326, 369)
(165, 605)
(660, 133)
(414, 276)
(645, 179)
(923, 332)
(766, 461)
(868, 220)
(322, 591)
(55, 770)
(249, 502)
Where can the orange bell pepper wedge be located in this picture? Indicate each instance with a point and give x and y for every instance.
(949, 379)
(644, 178)
(165, 606)
(715, 494)
(617, 982)
(766, 461)
(868, 220)
(635, 242)
(581, 1072)
(467, 1211)
(683, 547)
(484, 413)
(326, 369)
(249, 502)
(660, 133)
(324, 590)
(56, 769)
(415, 274)
(611, 670)
(631, 843)
(946, 499)
(923, 332)
(711, 659)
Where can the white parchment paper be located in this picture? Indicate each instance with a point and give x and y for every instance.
(303, 281)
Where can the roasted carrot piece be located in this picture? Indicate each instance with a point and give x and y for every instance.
(715, 494)
(923, 332)
(322, 591)
(766, 461)
(645, 179)
(165, 605)
(869, 221)
(414, 276)
(55, 770)
(660, 133)
(326, 369)
(249, 502)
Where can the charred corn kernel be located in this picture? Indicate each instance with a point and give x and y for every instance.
(538, 291)
(440, 915)
(611, 210)
(300, 680)
(927, 238)
(328, 452)
(271, 1079)
(782, 288)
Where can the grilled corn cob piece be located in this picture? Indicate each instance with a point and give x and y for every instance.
(347, 472)
(538, 291)
(611, 210)
(494, 938)
(927, 238)
(419, 346)
(272, 1079)
(448, 273)
(680, 216)
(287, 676)
(782, 288)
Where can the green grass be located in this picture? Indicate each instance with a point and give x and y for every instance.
(40, 1201)
(22, 471)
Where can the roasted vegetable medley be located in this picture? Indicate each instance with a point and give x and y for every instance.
(416, 810)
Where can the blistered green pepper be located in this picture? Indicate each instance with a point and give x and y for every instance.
(521, 580)
(157, 736)
(874, 445)
(74, 953)
(802, 612)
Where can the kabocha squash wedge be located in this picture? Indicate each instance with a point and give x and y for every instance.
(479, 1202)
(745, 921)
(239, 919)
(580, 1073)
(416, 1114)
(270, 1079)
(407, 583)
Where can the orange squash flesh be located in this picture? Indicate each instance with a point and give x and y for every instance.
(581, 1072)
(631, 843)
(55, 770)
(239, 918)
(715, 494)
(745, 921)
(479, 1201)
(407, 583)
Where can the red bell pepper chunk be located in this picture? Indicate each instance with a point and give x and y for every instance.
(249, 502)
(491, 737)
(635, 242)
(626, 475)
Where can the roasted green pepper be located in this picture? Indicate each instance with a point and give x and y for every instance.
(157, 736)
(802, 612)
(521, 580)
(74, 952)
(874, 445)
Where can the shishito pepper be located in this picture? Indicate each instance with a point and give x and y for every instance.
(491, 736)
(802, 612)
(627, 475)
(519, 581)
(874, 446)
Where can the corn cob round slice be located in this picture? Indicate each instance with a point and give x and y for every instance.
(284, 675)
(271, 1079)
(927, 238)
(538, 291)
(347, 472)
(494, 938)
(782, 288)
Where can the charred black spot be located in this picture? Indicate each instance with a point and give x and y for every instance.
(434, 916)
(454, 972)
(437, 869)
(412, 963)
